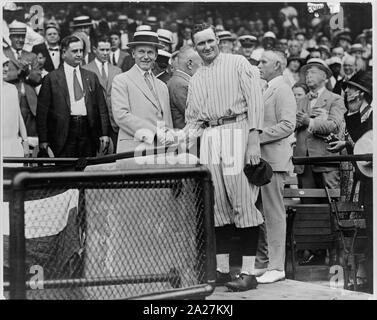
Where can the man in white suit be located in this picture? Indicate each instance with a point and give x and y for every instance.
(140, 101)
(279, 123)
(105, 72)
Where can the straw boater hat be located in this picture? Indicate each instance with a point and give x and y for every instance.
(144, 27)
(82, 21)
(318, 63)
(165, 35)
(269, 34)
(247, 40)
(225, 35)
(362, 146)
(145, 38)
(17, 28)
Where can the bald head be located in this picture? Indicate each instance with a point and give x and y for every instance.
(349, 65)
(188, 60)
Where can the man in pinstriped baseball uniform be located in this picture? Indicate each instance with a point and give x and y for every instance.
(225, 108)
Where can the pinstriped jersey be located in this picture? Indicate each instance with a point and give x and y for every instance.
(228, 86)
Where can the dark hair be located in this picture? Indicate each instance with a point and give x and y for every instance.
(100, 38)
(200, 27)
(68, 40)
(115, 31)
(39, 49)
(301, 85)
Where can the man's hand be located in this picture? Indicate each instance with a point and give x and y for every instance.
(25, 146)
(104, 144)
(302, 118)
(336, 146)
(165, 136)
(253, 153)
(24, 67)
(43, 146)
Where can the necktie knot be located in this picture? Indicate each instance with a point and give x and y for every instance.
(313, 95)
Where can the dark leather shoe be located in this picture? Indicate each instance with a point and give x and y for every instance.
(244, 282)
(222, 278)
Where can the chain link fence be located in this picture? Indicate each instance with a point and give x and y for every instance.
(110, 234)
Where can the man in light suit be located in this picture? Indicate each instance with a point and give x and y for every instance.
(24, 73)
(279, 123)
(188, 62)
(319, 114)
(72, 116)
(140, 101)
(105, 72)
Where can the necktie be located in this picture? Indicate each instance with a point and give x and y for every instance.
(114, 62)
(18, 53)
(76, 87)
(150, 85)
(103, 72)
(313, 95)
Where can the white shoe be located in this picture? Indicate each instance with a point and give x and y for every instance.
(271, 276)
(259, 272)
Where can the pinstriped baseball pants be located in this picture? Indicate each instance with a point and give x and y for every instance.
(222, 150)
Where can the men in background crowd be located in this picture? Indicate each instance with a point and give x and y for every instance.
(125, 33)
(185, 39)
(188, 62)
(349, 69)
(226, 41)
(24, 73)
(105, 72)
(72, 116)
(140, 101)
(300, 37)
(117, 56)
(357, 51)
(338, 52)
(279, 123)
(248, 46)
(236, 114)
(335, 65)
(50, 48)
(282, 45)
(165, 38)
(295, 49)
(268, 43)
(82, 28)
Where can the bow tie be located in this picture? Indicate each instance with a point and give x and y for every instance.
(313, 95)
(53, 49)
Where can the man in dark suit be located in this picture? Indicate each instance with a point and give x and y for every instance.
(50, 49)
(72, 116)
(117, 55)
(188, 62)
(105, 72)
(24, 73)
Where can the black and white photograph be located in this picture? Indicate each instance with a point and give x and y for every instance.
(202, 151)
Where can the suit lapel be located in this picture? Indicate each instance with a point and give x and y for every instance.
(321, 101)
(136, 77)
(62, 80)
(93, 66)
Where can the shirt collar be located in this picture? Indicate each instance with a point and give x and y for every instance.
(275, 80)
(142, 71)
(320, 91)
(183, 73)
(70, 68)
(215, 61)
(99, 63)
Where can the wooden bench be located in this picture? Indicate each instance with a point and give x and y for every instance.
(309, 225)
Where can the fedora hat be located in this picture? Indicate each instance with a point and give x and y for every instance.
(361, 80)
(225, 35)
(81, 21)
(269, 34)
(362, 146)
(145, 38)
(17, 27)
(357, 47)
(317, 62)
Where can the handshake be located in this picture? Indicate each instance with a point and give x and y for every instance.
(167, 136)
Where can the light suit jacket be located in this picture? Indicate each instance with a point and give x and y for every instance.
(331, 121)
(106, 86)
(279, 123)
(136, 111)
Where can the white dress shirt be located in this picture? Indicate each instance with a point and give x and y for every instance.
(312, 104)
(55, 55)
(116, 53)
(99, 66)
(78, 108)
